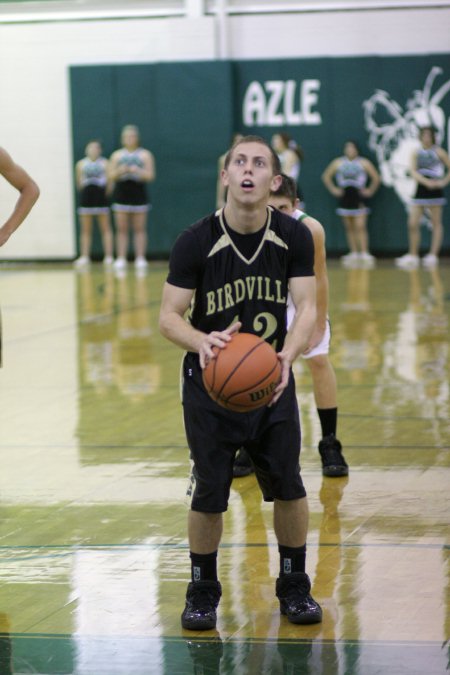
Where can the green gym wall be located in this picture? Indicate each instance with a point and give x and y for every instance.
(188, 112)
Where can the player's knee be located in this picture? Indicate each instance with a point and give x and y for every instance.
(211, 497)
(318, 363)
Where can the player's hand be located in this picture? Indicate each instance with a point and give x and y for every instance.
(285, 371)
(316, 338)
(218, 339)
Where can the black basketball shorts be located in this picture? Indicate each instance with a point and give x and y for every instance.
(270, 435)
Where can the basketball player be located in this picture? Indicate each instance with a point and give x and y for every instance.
(353, 179)
(25, 185)
(316, 355)
(249, 243)
(131, 168)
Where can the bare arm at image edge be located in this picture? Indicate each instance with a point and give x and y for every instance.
(25, 185)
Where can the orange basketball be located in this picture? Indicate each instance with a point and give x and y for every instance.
(244, 374)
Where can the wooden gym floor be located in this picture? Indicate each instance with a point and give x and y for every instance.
(93, 553)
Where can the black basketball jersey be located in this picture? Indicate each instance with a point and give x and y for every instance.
(233, 282)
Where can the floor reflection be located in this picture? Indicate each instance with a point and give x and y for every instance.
(93, 550)
(51, 655)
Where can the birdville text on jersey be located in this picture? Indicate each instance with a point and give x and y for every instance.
(260, 288)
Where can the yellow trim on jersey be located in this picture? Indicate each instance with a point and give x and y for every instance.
(223, 242)
(275, 239)
(225, 239)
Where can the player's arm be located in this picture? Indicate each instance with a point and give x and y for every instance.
(303, 294)
(173, 325)
(328, 176)
(29, 193)
(320, 271)
(374, 177)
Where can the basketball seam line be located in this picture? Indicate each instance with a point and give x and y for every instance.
(255, 384)
(237, 366)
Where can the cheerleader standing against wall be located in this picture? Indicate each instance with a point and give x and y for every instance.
(347, 178)
(91, 180)
(430, 167)
(131, 168)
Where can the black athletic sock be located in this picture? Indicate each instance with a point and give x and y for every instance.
(203, 566)
(328, 421)
(292, 559)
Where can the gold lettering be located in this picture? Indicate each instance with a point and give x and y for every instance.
(219, 299)
(260, 293)
(250, 282)
(244, 289)
(211, 303)
(239, 290)
(269, 295)
(280, 298)
(228, 289)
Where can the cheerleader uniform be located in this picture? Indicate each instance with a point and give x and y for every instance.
(130, 192)
(93, 199)
(352, 178)
(430, 165)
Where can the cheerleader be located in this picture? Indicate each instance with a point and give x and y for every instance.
(291, 156)
(91, 180)
(430, 167)
(353, 179)
(131, 168)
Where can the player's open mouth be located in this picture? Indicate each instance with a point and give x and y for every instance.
(247, 184)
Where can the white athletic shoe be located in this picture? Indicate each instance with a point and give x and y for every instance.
(140, 263)
(430, 260)
(367, 259)
(350, 259)
(82, 261)
(108, 260)
(120, 263)
(407, 262)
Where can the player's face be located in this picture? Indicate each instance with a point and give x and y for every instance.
(249, 175)
(282, 204)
